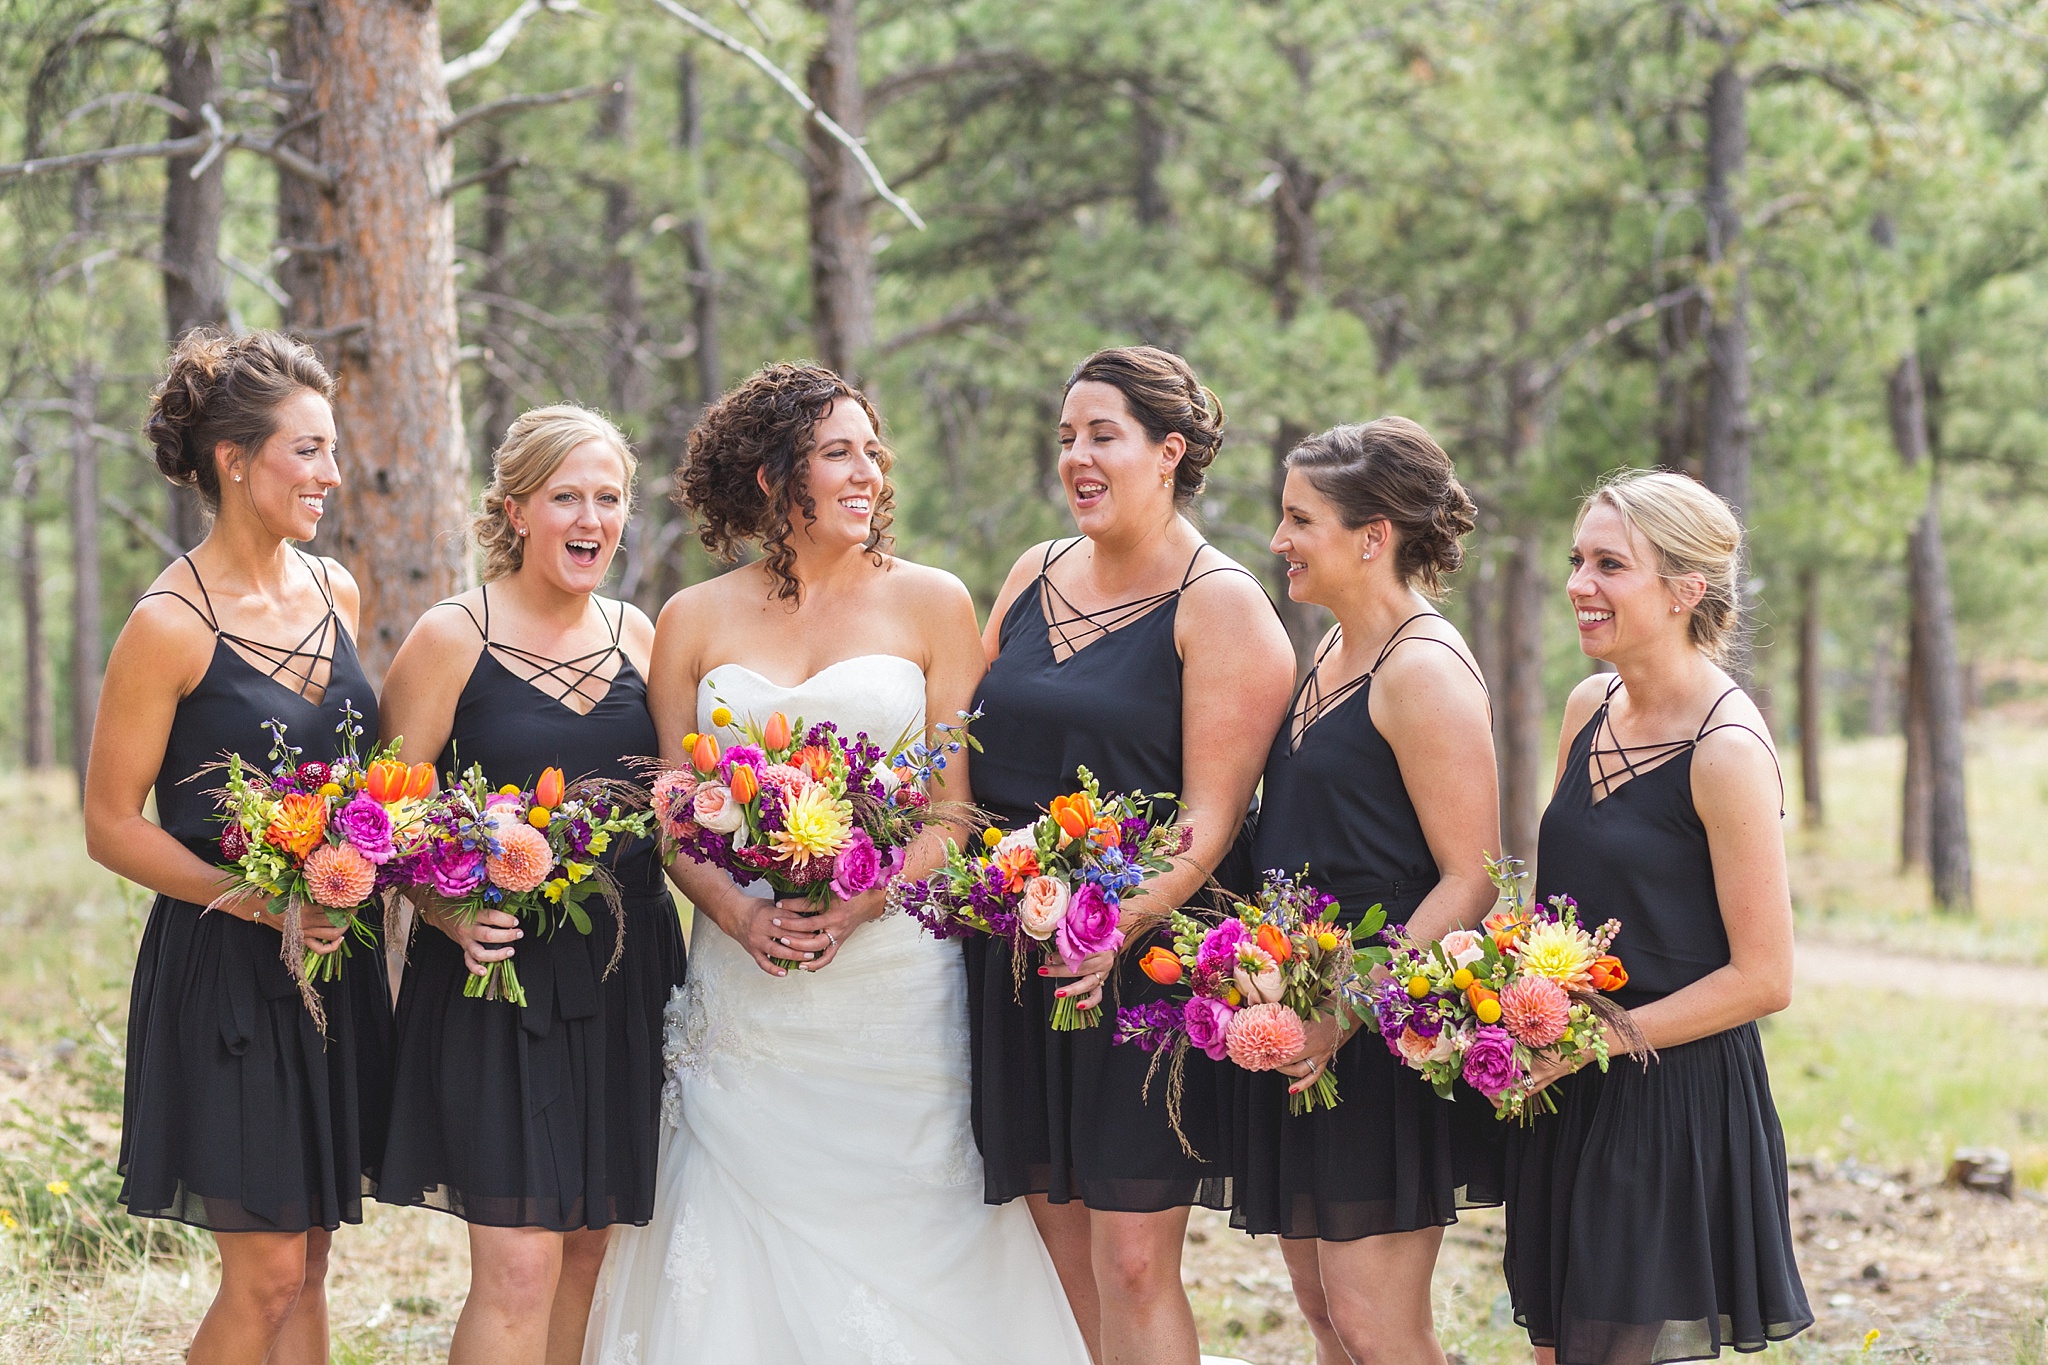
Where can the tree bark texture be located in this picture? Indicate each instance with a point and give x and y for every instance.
(386, 310)
(195, 294)
(1934, 811)
(1297, 272)
(1149, 154)
(498, 406)
(842, 251)
(86, 658)
(38, 729)
(1305, 621)
(1811, 725)
(1520, 717)
(625, 388)
(1726, 466)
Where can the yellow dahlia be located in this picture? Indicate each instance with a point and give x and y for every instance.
(1559, 951)
(338, 875)
(814, 825)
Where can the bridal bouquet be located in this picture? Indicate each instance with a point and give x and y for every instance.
(1484, 1004)
(1059, 881)
(1253, 980)
(332, 836)
(808, 811)
(534, 852)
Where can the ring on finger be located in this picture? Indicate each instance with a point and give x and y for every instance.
(834, 937)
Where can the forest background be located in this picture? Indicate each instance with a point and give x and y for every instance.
(1798, 248)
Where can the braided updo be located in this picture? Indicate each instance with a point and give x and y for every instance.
(1391, 468)
(1164, 396)
(220, 388)
(766, 429)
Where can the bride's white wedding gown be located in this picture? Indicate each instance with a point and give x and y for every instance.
(819, 1194)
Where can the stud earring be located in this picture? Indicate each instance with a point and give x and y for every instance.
(238, 478)
(1676, 609)
(1368, 554)
(522, 533)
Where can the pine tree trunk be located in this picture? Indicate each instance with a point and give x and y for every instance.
(498, 406)
(842, 254)
(1916, 796)
(195, 295)
(1810, 722)
(1305, 621)
(1297, 271)
(1522, 718)
(86, 660)
(624, 384)
(386, 309)
(1726, 467)
(38, 729)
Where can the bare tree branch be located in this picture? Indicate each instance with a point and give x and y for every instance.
(1544, 378)
(141, 525)
(512, 104)
(966, 315)
(804, 102)
(463, 182)
(887, 91)
(118, 97)
(209, 144)
(502, 38)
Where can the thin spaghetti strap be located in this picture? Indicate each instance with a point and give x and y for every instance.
(463, 607)
(173, 592)
(326, 583)
(212, 616)
(483, 591)
(1055, 552)
(1188, 574)
(1708, 721)
(618, 626)
(1707, 727)
(1395, 638)
(1614, 685)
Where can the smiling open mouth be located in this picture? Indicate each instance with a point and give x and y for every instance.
(584, 552)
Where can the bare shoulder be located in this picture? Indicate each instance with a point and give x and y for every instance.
(927, 588)
(1735, 759)
(698, 602)
(1432, 658)
(1585, 700)
(635, 629)
(169, 621)
(447, 635)
(1223, 593)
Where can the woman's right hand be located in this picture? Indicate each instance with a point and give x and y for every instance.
(750, 922)
(485, 938)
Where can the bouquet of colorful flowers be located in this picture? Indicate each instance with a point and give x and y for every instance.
(1255, 979)
(1059, 880)
(333, 836)
(1484, 1004)
(806, 810)
(534, 852)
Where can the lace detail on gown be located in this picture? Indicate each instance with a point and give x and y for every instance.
(884, 1253)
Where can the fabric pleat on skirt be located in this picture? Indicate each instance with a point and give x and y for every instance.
(1648, 1218)
(238, 1116)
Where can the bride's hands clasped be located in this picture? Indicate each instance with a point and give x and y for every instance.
(820, 934)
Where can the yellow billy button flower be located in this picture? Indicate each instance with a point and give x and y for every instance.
(721, 716)
(689, 741)
(330, 789)
(538, 817)
(991, 836)
(509, 789)
(1418, 985)
(1462, 977)
(1487, 1011)
(1328, 941)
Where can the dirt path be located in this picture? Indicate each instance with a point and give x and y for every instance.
(1818, 962)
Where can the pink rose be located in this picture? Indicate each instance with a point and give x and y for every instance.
(1089, 926)
(1257, 976)
(713, 808)
(1045, 905)
(1463, 946)
(1208, 1024)
(858, 867)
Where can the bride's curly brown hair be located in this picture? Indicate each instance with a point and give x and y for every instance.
(767, 426)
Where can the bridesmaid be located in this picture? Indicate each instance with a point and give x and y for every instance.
(1381, 785)
(1145, 655)
(1647, 1218)
(536, 1126)
(239, 1116)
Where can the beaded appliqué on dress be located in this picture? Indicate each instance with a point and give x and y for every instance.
(689, 1265)
(624, 1351)
(871, 1329)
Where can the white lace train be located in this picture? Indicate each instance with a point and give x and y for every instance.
(819, 1195)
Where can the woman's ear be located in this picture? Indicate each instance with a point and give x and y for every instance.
(1171, 452)
(1375, 538)
(1687, 590)
(227, 462)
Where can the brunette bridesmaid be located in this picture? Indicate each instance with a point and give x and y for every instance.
(239, 1116)
(1144, 654)
(1647, 1218)
(1381, 785)
(536, 1125)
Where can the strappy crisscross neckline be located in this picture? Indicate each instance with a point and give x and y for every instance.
(1312, 703)
(1638, 760)
(276, 662)
(1079, 629)
(573, 676)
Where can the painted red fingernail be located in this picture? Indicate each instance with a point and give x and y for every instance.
(1045, 971)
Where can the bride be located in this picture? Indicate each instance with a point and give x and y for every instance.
(819, 1195)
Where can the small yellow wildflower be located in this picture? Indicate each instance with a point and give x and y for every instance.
(554, 889)
(1327, 941)
(60, 1188)
(1870, 1339)
(7, 1220)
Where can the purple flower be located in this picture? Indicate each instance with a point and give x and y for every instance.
(858, 867)
(1490, 1061)
(1134, 831)
(367, 825)
(1218, 952)
(1089, 926)
(1207, 1021)
(740, 754)
(455, 871)
(1150, 1026)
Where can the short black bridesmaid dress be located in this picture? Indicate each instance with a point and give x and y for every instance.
(238, 1116)
(547, 1115)
(1392, 1156)
(1057, 1113)
(1647, 1219)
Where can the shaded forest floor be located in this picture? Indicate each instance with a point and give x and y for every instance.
(1910, 1035)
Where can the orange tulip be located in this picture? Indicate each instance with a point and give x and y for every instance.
(705, 756)
(1105, 833)
(1274, 942)
(775, 734)
(548, 791)
(1073, 814)
(1608, 974)
(1161, 965)
(1475, 993)
(421, 782)
(386, 781)
(301, 822)
(745, 786)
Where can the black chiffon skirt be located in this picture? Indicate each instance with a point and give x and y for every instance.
(1066, 1114)
(237, 1115)
(544, 1116)
(1647, 1219)
(1391, 1157)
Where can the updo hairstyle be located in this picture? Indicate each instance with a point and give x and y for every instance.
(221, 388)
(768, 426)
(533, 449)
(1392, 469)
(1692, 530)
(1164, 396)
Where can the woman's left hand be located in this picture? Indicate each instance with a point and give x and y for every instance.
(803, 928)
(1322, 1037)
